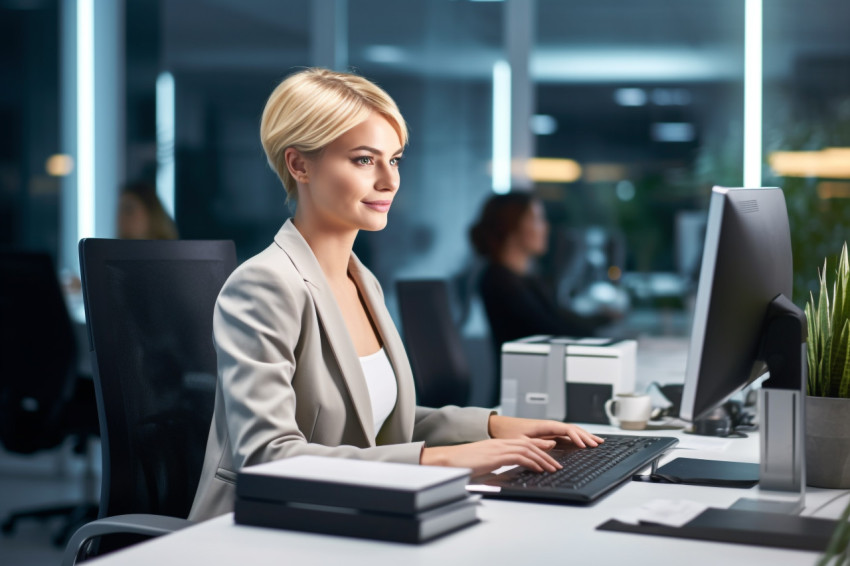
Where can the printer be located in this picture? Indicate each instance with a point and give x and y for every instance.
(560, 378)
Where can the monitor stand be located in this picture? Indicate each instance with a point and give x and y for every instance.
(782, 402)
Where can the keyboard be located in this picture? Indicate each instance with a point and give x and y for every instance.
(587, 473)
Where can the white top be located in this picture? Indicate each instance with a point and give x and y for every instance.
(383, 389)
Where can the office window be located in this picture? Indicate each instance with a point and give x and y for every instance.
(435, 58)
(225, 58)
(647, 97)
(29, 120)
(807, 126)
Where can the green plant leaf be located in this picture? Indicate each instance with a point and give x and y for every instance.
(843, 278)
(842, 375)
(836, 318)
(828, 325)
(812, 379)
(835, 371)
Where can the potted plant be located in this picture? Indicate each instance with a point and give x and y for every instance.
(828, 400)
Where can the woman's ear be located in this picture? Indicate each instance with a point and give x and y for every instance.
(296, 163)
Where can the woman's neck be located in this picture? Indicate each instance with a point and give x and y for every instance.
(332, 248)
(516, 259)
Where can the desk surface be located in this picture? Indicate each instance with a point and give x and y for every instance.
(509, 533)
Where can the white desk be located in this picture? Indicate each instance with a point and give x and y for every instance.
(509, 533)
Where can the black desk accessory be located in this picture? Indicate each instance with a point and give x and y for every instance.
(757, 528)
(715, 473)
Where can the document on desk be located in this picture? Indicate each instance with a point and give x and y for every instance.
(668, 512)
(703, 443)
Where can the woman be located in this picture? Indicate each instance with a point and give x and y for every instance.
(309, 361)
(511, 233)
(141, 215)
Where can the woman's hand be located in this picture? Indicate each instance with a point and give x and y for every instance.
(511, 427)
(488, 455)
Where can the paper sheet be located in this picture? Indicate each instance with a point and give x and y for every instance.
(706, 443)
(669, 512)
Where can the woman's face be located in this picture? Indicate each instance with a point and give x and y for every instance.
(532, 234)
(133, 218)
(351, 184)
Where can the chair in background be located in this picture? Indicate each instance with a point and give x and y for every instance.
(440, 368)
(149, 308)
(43, 400)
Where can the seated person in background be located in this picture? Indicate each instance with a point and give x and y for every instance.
(309, 360)
(141, 215)
(511, 232)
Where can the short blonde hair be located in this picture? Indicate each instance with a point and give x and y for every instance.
(312, 108)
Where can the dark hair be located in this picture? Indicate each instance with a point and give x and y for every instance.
(161, 225)
(500, 217)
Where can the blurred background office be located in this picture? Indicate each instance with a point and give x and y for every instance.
(617, 115)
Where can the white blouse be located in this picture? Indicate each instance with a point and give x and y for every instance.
(383, 390)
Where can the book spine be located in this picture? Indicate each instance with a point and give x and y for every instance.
(263, 514)
(320, 493)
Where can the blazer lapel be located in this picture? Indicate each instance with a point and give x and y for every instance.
(399, 425)
(298, 250)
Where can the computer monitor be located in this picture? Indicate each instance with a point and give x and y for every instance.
(744, 324)
(746, 263)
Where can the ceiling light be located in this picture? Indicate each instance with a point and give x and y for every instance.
(676, 132)
(630, 96)
(551, 170)
(384, 54)
(829, 163)
(59, 165)
(543, 124)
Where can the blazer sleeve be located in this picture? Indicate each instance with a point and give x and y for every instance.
(451, 425)
(257, 328)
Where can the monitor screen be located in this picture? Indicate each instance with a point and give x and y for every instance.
(746, 263)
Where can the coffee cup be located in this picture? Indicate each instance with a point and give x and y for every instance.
(629, 411)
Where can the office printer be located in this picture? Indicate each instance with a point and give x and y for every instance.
(551, 377)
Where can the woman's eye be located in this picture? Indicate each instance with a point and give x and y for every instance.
(365, 160)
(396, 161)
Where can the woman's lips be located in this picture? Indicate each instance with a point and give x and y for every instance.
(379, 205)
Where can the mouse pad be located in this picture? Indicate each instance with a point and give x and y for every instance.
(744, 527)
(708, 472)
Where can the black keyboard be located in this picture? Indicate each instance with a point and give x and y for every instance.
(587, 472)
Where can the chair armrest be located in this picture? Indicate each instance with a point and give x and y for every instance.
(136, 524)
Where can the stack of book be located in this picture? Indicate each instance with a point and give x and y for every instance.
(376, 500)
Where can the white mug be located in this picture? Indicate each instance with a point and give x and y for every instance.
(629, 411)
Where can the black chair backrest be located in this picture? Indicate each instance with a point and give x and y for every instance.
(37, 353)
(440, 368)
(149, 308)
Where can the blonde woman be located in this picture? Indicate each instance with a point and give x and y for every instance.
(309, 361)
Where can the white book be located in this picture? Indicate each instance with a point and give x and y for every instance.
(387, 487)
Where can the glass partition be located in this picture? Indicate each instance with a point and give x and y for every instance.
(647, 99)
(807, 127)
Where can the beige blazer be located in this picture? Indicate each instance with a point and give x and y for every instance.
(290, 381)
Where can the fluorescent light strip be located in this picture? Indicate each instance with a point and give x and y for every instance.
(165, 141)
(501, 127)
(752, 93)
(85, 119)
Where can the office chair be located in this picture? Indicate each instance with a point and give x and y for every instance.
(440, 369)
(149, 308)
(43, 400)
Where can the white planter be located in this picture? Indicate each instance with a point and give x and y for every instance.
(828, 442)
